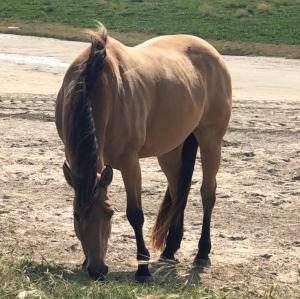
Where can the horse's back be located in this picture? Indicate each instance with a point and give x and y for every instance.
(178, 43)
(197, 63)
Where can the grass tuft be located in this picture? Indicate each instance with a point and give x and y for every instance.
(242, 13)
(264, 7)
(207, 10)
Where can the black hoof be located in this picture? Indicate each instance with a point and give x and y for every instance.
(202, 262)
(142, 275)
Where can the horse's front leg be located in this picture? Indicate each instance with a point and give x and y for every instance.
(132, 180)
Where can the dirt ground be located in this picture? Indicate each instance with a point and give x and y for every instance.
(256, 220)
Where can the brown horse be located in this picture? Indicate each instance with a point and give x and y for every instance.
(164, 98)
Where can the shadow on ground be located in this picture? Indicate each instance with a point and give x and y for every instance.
(163, 273)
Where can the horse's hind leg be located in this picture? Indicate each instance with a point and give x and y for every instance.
(210, 141)
(170, 164)
(178, 166)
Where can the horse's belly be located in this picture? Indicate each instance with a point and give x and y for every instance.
(168, 126)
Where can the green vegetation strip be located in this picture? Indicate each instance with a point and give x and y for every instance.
(32, 280)
(263, 21)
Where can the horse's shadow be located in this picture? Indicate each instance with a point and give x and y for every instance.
(163, 273)
(43, 270)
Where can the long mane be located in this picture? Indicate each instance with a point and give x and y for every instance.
(81, 142)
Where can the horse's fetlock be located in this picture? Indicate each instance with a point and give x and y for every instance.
(143, 256)
(204, 249)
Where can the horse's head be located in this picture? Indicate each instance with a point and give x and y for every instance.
(92, 220)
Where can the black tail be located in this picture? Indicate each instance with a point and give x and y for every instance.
(170, 211)
(81, 140)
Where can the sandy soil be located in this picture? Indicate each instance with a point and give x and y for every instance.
(256, 222)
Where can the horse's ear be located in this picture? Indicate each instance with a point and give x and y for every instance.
(106, 176)
(68, 174)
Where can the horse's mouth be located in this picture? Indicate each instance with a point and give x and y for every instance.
(98, 275)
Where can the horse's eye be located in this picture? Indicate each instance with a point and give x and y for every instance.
(76, 216)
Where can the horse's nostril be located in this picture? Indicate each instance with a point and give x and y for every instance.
(98, 275)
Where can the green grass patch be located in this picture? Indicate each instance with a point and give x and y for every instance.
(269, 21)
(27, 279)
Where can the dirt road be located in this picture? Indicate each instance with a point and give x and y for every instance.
(256, 221)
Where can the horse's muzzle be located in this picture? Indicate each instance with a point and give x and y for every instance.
(98, 275)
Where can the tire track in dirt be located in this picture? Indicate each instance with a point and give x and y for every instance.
(37, 107)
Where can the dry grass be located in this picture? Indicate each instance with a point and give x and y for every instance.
(132, 38)
(67, 32)
(257, 49)
(41, 29)
(264, 7)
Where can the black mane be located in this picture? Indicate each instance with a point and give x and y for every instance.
(81, 141)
